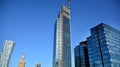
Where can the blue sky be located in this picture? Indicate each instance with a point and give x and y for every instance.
(30, 24)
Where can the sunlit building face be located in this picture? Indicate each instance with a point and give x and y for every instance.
(6, 53)
(62, 40)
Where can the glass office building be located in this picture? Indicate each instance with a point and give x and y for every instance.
(38, 65)
(6, 53)
(62, 40)
(81, 55)
(104, 46)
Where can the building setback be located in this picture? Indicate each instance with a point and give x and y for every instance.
(104, 46)
(81, 55)
(6, 53)
(62, 39)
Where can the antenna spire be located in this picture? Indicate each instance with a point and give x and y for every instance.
(69, 4)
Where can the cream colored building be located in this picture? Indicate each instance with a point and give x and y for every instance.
(22, 62)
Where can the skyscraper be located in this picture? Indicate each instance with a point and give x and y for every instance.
(62, 39)
(37, 65)
(6, 53)
(81, 55)
(104, 46)
(22, 62)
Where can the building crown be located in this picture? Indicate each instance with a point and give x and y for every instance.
(68, 4)
(23, 57)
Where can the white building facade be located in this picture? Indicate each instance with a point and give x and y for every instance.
(6, 53)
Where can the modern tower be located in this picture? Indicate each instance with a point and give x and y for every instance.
(104, 46)
(6, 53)
(37, 65)
(22, 62)
(62, 39)
(81, 55)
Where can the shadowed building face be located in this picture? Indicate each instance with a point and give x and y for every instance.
(104, 46)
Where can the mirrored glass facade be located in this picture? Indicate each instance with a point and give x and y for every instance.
(81, 55)
(104, 46)
(62, 40)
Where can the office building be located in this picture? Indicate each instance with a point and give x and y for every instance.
(22, 61)
(104, 46)
(81, 55)
(38, 65)
(62, 39)
(6, 53)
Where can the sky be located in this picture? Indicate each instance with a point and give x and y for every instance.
(30, 24)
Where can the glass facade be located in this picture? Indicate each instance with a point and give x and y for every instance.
(81, 55)
(104, 46)
(6, 53)
(38, 65)
(62, 40)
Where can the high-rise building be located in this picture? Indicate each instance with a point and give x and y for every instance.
(0, 54)
(0, 51)
(104, 46)
(6, 53)
(22, 61)
(81, 55)
(38, 65)
(62, 39)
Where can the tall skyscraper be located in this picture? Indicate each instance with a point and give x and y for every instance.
(62, 39)
(6, 53)
(81, 55)
(37, 65)
(104, 46)
(22, 62)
